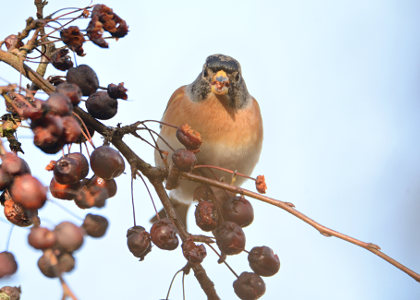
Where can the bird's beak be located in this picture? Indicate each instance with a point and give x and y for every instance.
(220, 83)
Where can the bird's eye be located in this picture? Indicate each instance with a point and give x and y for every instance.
(237, 76)
(205, 73)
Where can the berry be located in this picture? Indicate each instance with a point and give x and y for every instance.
(249, 286)
(184, 160)
(95, 225)
(107, 162)
(64, 191)
(14, 165)
(69, 236)
(109, 184)
(71, 130)
(28, 191)
(18, 215)
(101, 106)
(71, 90)
(195, 254)
(188, 137)
(89, 196)
(5, 179)
(230, 238)
(59, 104)
(163, 235)
(206, 215)
(13, 292)
(138, 241)
(85, 78)
(48, 133)
(238, 210)
(263, 261)
(53, 266)
(8, 265)
(71, 168)
(41, 238)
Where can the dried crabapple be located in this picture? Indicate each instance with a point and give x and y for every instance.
(41, 238)
(107, 162)
(85, 78)
(95, 225)
(69, 236)
(90, 195)
(19, 215)
(263, 261)
(163, 234)
(117, 91)
(72, 130)
(14, 165)
(101, 106)
(194, 253)
(61, 60)
(64, 191)
(138, 241)
(109, 184)
(59, 104)
(28, 191)
(48, 133)
(8, 264)
(249, 286)
(206, 215)
(239, 210)
(190, 138)
(184, 160)
(230, 238)
(13, 292)
(71, 90)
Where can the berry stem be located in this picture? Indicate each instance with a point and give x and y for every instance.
(132, 200)
(172, 281)
(234, 173)
(9, 237)
(224, 260)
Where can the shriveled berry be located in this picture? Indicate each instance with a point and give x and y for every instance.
(59, 104)
(249, 286)
(48, 133)
(64, 191)
(82, 163)
(72, 130)
(28, 191)
(95, 225)
(107, 162)
(190, 138)
(12, 41)
(263, 261)
(14, 165)
(66, 262)
(53, 266)
(41, 238)
(109, 184)
(61, 60)
(138, 241)
(238, 210)
(8, 264)
(184, 159)
(230, 238)
(12, 291)
(163, 235)
(19, 215)
(117, 91)
(67, 171)
(84, 77)
(89, 196)
(5, 179)
(195, 254)
(71, 90)
(101, 106)
(206, 215)
(69, 236)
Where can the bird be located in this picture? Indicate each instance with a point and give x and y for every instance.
(216, 104)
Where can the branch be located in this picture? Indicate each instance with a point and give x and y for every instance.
(289, 207)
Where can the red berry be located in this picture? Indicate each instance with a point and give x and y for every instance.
(41, 238)
(5, 179)
(206, 215)
(249, 286)
(48, 133)
(238, 210)
(101, 106)
(95, 225)
(64, 191)
(69, 236)
(8, 265)
(90, 195)
(184, 159)
(107, 162)
(18, 215)
(190, 138)
(28, 191)
(14, 165)
(110, 185)
(163, 234)
(84, 77)
(71, 90)
(263, 261)
(195, 254)
(59, 104)
(230, 238)
(138, 241)
(72, 130)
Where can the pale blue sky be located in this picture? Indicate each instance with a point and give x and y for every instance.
(338, 83)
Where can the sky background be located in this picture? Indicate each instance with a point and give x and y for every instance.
(338, 83)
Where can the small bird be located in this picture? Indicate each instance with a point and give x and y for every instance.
(217, 105)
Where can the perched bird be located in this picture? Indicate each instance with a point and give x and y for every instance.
(217, 105)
